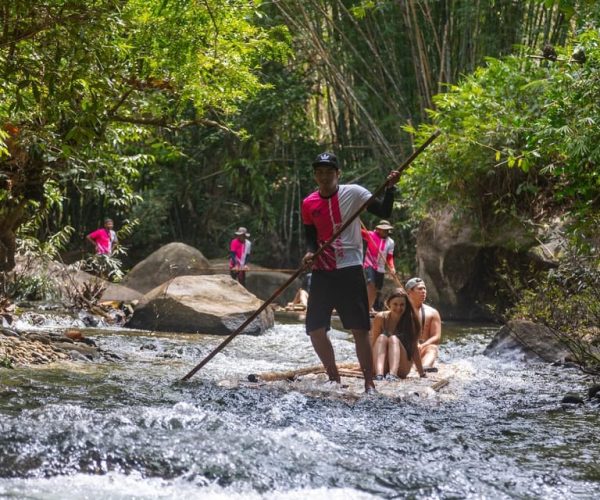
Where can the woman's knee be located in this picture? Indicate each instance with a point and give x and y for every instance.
(382, 341)
(404, 370)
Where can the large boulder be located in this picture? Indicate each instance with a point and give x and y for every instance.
(200, 304)
(74, 280)
(169, 261)
(523, 340)
(119, 293)
(262, 281)
(464, 268)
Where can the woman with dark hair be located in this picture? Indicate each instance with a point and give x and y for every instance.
(395, 338)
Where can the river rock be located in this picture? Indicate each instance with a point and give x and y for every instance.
(73, 282)
(520, 339)
(213, 304)
(462, 265)
(90, 353)
(120, 293)
(594, 391)
(572, 399)
(262, 281)
(264, 284)
(169, 261)
(8, 332)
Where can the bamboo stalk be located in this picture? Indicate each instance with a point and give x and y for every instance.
(439, 384)
(293, 374)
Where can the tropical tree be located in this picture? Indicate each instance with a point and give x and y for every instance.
(521, 142)
(93, 90)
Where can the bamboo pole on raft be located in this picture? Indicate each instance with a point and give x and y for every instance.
(297, 273)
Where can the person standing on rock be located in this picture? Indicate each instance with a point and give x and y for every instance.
(239, 253)
(431, 323)
(104, 239)
(379, 253)
(338, 280)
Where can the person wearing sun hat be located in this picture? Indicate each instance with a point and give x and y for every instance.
(338, 280)
(239, 253)
(431, 323)
(379, 253)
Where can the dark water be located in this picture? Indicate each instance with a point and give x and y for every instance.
(129, 430)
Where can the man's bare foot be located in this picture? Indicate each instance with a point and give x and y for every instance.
(370, 387)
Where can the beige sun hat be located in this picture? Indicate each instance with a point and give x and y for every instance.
(242, 230)
(385, 225)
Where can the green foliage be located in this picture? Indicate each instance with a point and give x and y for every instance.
(48, 249)
(204, 109)
(89, 90)
(35, 287)
(108, 267)
(520, 141)
(6, 362)
(220, 182)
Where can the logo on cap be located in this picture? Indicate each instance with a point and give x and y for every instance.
(326, 159)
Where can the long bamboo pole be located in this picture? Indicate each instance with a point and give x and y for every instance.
(292, 278)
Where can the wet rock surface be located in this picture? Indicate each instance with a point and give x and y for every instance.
(460, 264)
(215, 305)
(18, 348)
(526, 340)
(169, 261)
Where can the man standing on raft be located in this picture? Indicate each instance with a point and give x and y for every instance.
(337, 273)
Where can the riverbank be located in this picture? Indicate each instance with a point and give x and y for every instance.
(22, 348)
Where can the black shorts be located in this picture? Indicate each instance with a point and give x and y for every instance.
(374, 276)
(345, 291)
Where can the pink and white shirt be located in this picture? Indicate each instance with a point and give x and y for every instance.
(240, 251)
(328, 215)
(379, 250)
(104, 239)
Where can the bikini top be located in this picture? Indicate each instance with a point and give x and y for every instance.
(384, 331)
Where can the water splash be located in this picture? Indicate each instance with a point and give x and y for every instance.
(131, 430)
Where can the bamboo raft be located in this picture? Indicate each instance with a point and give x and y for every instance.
(312, 381)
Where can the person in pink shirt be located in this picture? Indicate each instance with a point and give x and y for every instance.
(338, 280)
(104, 239)
(239, 253)
(379, 253)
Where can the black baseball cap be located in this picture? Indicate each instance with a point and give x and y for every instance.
(328, 159)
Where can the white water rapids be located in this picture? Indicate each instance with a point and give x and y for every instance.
(130, 430)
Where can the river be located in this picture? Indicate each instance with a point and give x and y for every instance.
(130, 430)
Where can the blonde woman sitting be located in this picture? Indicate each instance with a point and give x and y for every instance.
(395, 338)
